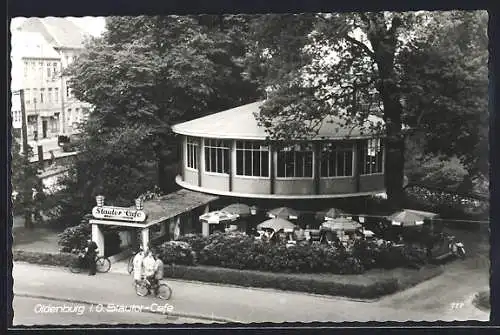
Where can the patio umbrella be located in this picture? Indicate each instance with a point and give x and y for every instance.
(410, 217)
(238, 208)
(218, 217)
(343, 224)
(283, 213)
(276, 224)
(331, 213)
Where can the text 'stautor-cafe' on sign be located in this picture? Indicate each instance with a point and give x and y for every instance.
(121, 217)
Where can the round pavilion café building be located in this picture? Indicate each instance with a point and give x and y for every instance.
(227, 154)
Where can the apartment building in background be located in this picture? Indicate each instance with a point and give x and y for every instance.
(41, 49)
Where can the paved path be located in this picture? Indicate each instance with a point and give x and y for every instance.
(231, 303)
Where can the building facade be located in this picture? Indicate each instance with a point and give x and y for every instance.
(227, 154)
(33, 63)
(49, 46)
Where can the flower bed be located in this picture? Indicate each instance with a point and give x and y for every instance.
(239, 251)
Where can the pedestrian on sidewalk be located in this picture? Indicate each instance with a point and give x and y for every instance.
(90, 255)
(138, 271)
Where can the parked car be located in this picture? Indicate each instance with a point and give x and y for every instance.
(70, 142)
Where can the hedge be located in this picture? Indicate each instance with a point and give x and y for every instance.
(44, 258)
(352, 286)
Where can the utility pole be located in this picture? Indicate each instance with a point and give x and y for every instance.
(27, 192)
(63, 116)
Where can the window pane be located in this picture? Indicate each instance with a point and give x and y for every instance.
(324, 165)
(281, 164)
(340, 163)
(256, 163)
(239, 162)
(213, 160)
(348, 163)
(248, 163)
(332, 164)
(308, 164)
(299, 164)
(225, 159)
(265, 164)
(290, 164)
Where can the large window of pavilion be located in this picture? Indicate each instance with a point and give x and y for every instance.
(192, 153)
(252, 159)
(372, 157)
(336, 160)
(217, 156)
(295, 161)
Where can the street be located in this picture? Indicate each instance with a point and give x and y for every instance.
(429, 301)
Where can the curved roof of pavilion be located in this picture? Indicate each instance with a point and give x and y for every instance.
(240, 123)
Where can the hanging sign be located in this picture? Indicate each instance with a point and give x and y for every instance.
(118, 213)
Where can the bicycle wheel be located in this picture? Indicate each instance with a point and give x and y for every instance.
(75, 266)
(103, 264)
(130, 265)
(164, 291)
(141, 289)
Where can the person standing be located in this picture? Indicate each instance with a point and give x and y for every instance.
(138, 271)
(90, 255)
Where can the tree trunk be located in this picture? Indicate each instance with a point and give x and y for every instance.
(384, 46)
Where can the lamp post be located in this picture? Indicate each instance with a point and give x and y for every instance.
(100, 200)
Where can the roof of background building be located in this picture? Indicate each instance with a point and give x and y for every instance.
(32, 45)
(240, 123)
(60, 32)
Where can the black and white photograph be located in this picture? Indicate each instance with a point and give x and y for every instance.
(236, 169)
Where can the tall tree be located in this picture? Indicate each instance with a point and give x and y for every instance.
(360, 74)
(352, 65)
(141, 77)
(445, 88)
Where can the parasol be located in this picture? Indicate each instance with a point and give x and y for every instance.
(283, 213)
(218, 217)
(331, 213)
(343, 224)
(276, 224)
(238, 208)
(410, 217)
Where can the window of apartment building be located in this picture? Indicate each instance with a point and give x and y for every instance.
(67, 91)
(54, 69)
(372, 157)
(26, 66)
(68, 114)
(192, 153)
(35, 95)
(40, 69)
(27, 96)
(49, 95)
(49, 72)
(336, 160)
(42, 93)
(33, 67)
(56, 95)
(217, 156)
(252, 159)
(77, 115)
(295, 162)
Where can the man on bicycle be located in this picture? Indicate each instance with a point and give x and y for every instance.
(148, 266)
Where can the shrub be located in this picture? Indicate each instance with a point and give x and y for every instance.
(76, 238)
(238, 251)
(176, 252)
(56, 259)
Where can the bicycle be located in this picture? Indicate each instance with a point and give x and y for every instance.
(103, 265)
(144, 288)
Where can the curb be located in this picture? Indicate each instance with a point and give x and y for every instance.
(171, 314)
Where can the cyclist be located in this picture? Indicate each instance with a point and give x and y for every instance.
(158, 268)
(148, 265)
